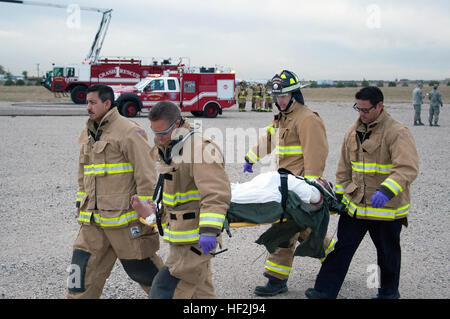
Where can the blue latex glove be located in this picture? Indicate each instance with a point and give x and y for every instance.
(248, 167)
(378, 199)
(207, 243)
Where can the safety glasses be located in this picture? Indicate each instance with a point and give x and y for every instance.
(165, 132)
(364, 110)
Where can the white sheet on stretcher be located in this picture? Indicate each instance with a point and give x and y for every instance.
(264, 188)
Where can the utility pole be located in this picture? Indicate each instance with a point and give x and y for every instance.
(37, 64)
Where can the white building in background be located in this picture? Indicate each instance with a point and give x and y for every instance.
(325, 82)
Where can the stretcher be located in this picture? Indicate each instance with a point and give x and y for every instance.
(291, 204)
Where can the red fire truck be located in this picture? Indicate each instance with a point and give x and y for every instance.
(201, 93)
(115, 72)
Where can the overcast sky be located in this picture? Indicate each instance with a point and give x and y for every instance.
(329, 39)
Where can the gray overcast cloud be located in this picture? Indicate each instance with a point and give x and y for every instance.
(325, 39)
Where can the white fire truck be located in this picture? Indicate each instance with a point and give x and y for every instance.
(201, 93)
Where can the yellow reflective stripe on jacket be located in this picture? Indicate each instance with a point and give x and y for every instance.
(80, 196)
(329, 249)
(392, 185)
(339, 189)
(289, 150)
(279, 269)
(381, 213)
(270, 129)
(211, 219)
(243, 94)
(108, 168)
(108, 222)
(84, 217)
(252, 157)
(174, 199)
(311, 176)
(144, 198)
(372, 167)
(180, 236)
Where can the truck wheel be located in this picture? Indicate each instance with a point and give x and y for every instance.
(197, 113)
(211, 110)
(78, 94)
(129, 109)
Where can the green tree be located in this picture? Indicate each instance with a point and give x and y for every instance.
(25, 74)
(340, 85)
(313, 84)
(392, 84)
(2, 69)
(433, 82)
(364, 83)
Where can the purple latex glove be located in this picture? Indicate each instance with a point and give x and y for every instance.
(248, 167)
(207, 243)
(378, 199)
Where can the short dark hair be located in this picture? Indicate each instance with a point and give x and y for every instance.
(371, 93)
(105, 92)
(165, 110)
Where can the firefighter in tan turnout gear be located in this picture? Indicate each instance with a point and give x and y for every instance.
(195, 193)
(241, 94)
(298, 138)
(378, 163)
(114, 165)
(268, 99)
(258, 93)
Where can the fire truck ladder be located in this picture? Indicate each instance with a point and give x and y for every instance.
(94, 52)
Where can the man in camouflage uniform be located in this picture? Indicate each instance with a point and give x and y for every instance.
(435, 102)
(417, 103)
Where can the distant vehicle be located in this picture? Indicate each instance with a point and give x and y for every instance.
(201, 93)
(116, 72)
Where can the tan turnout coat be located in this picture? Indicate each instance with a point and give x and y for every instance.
(114, 164)
(196, 191)
(387, 159)
(298, 138)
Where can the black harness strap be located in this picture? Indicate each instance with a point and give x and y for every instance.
(157, 197)
(284, 193)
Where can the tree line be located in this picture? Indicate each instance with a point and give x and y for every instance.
(25, 81)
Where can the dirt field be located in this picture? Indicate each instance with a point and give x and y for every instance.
(397, 94)
(392, 94)
(29, 93)
(38, 187)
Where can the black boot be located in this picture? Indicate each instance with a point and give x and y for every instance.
(395, 295)
(312, 293)
(273, 287)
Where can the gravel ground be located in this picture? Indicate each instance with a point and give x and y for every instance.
(39, 153)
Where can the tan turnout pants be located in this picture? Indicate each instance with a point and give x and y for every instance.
(96, 250)
(186, 275)
(279, 263)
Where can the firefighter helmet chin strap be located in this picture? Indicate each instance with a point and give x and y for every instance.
(287, 107)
